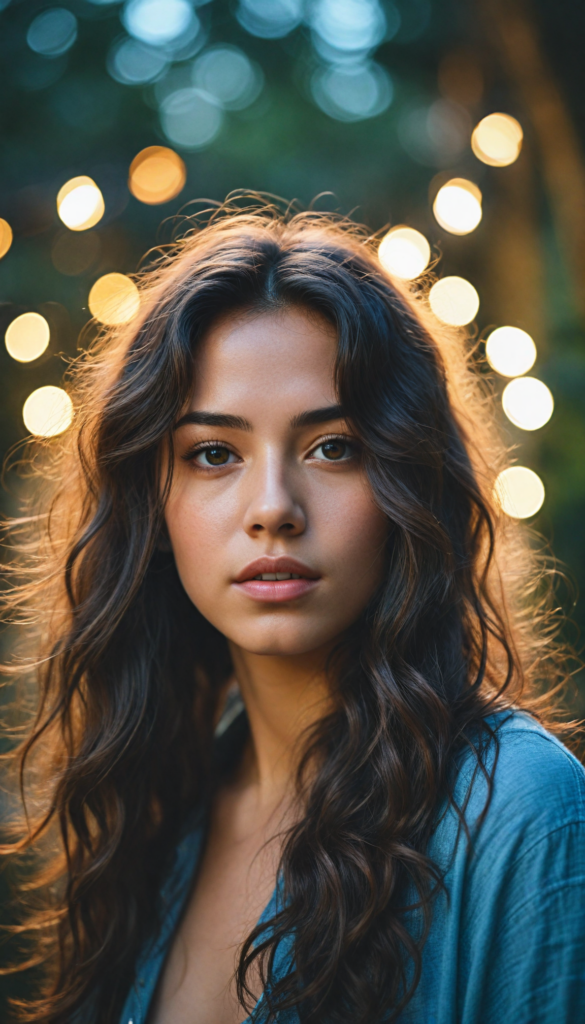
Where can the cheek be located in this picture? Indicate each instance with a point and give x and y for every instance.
(354, 531)
(198, 530)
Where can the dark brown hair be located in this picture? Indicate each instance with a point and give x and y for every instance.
(129, 672)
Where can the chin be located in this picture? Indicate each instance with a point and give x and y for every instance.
(278, 642)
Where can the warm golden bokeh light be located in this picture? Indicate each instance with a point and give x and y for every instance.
(114, 299)
(5, 237)
(510, 351)
(404, 252)
(454, 301)
(157, 174)
(519, 491)
(27, 337)
(497, 140)
(528, 403)
(47, 411)
(457, 206)
(80, 203)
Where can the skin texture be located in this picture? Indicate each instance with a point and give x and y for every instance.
(283, 489)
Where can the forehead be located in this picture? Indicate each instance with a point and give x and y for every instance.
(286, 354)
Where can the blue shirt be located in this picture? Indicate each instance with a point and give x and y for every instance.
(508, 944)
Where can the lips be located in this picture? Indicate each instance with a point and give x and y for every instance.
(276, 579)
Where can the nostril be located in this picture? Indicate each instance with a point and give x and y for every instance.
(287, 526)
(257, 526)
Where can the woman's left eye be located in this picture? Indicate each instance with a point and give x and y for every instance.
(214, 455)
(334, 450)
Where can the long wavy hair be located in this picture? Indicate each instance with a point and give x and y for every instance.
(127, 675)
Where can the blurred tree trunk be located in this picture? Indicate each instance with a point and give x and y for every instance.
(512, 26)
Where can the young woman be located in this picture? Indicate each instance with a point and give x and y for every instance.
(288, 763)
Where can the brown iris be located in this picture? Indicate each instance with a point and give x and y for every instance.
(217, 456)
(333, 449)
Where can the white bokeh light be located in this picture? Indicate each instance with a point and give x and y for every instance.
(528, 403)
(454, 301)
(80, 203)
(27, 337)
(519, 491)
(497, 140)
(48, 411)
(404, 252)
(348, 25)
(510, 351)
(457, 206)
(158, 21)
(270, 19)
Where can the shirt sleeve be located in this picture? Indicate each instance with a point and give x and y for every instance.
(523, 943)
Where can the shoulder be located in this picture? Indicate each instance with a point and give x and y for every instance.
(537, 793)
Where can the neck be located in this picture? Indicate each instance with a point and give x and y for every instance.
(283, 695)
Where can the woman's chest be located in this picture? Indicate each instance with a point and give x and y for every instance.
(234, 884)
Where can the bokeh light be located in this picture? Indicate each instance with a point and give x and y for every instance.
(157, 174)
(114, 299)
(52, 32)
(227, 74)
(519, 491)
(27, 337)
(5, 237)
(497, 140)
(528, 403)
(270, 19)
(134, 63)
(349, 25)
(404, 252)
(510, 351)
(75, 252)
(48, 411)
(352, 92)
(435, 135)
(80, 204)
(454, 301)
(190, 118)
(158, 21)
(457, 206)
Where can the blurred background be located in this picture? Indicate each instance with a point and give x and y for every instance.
(455, 126)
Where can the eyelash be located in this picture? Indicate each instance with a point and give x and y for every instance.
(203, 446)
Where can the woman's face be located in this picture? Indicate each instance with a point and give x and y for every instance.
(274, 530)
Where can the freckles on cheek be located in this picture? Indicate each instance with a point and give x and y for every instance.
(199, 526)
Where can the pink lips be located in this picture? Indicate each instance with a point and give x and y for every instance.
(275, 591)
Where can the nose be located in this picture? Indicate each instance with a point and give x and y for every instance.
(272, 506)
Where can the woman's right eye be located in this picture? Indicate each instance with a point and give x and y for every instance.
(214, 455)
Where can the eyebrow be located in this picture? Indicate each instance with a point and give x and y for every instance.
(214, 419)
(310, 418)
(314, 416)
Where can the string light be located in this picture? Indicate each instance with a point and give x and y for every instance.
(497, 140)
(510, 351)
(454, 301)
(519, 491)
(80, 204)
(114, 299)
(5, 237)
(528, 403)
(27, 337)
(157, 174)
(404, 252)
(48, 411)
(457, 206)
